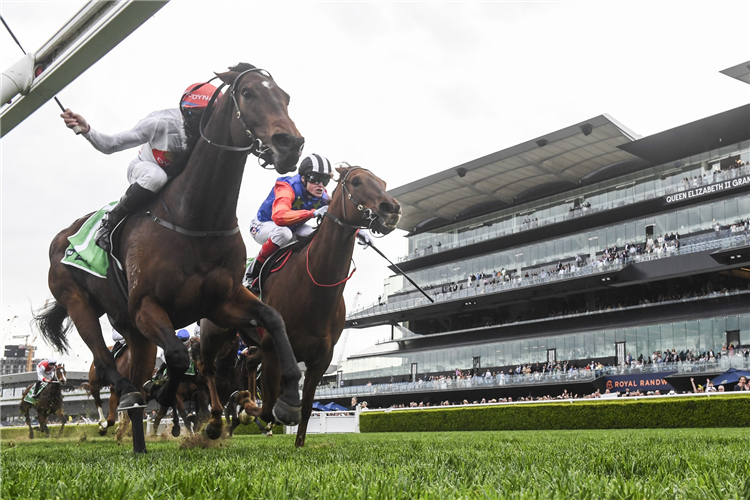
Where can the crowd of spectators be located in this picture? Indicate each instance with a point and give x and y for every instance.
(660, 246)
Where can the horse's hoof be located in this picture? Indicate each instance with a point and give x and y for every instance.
(131, 401)
(245, 418)
(212, 432)
(175, 431)
(286, 414)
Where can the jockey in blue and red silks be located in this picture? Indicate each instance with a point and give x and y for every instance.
(161, 135)
(292, 202)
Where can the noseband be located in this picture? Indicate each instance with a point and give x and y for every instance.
(256, 147)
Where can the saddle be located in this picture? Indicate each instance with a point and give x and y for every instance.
(275, 262)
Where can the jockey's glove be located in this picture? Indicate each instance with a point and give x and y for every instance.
(364, 238)
(320, 211)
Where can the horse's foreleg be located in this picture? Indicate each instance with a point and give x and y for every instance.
(244, 308)
(212, 338)
(178, 411)
(270, 380)
(313, 375)
(61, 413)
(160, 414)
(43, 423)
(27, 411)
(114, 415)
(142, 359)
(153, 321)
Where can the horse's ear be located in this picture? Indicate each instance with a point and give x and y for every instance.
(227, 77)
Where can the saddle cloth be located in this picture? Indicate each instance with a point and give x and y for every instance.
(30, 396)
(82, 252)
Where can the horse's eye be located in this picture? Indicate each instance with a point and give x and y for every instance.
(247, 94)
(356, 182)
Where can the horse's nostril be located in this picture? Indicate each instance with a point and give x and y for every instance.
(386, 207)
(283, 142)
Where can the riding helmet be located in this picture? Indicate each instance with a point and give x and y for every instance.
(316, 163)
(51, 361)
(197, 95)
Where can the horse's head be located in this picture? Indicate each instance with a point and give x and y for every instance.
(260, 114)
(60, 374)
(364, 201)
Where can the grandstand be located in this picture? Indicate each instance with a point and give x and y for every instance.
(589, 246)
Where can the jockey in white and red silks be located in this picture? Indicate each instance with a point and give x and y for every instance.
(161, 135)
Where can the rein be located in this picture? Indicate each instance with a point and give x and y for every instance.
(313, 279)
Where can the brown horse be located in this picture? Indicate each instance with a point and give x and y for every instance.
(185, 259)
(192, 388)
(308, 290)
(96, 384)
(49, 402)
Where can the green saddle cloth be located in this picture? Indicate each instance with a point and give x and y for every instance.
(31, 396)
(82, 251)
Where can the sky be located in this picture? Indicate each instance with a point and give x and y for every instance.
(405, 89)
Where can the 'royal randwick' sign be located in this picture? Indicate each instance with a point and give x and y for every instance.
(641, 382)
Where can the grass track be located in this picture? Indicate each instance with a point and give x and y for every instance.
(618, 464)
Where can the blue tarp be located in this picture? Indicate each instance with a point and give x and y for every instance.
(731, 376)
(328, 407)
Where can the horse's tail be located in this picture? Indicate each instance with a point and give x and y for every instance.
(51, 321)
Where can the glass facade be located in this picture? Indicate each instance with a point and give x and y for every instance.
(683, 222)
(698, 336)
(632, 188)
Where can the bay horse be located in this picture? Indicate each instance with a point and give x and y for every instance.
(184, 260)
(192, 388)
(49, 402)
(96, 384)
(308, 290)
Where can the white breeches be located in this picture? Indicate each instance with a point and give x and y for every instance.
(279, 235)
(148, 175)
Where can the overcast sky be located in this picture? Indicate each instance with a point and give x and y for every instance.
(404, 89)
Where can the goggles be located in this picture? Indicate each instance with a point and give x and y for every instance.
(318, 179)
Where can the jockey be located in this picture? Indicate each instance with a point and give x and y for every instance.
(162, 135)
(292, 202)
(45, 371)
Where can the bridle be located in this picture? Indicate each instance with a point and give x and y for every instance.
(256, 146)
(368, 215)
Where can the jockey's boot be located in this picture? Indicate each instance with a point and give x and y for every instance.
(253, 270)
(135, 197)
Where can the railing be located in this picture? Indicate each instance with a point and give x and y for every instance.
(515, 380)
(517, 228)
(400, 304)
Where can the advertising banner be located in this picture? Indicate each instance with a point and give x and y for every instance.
(704, 190)
(639, 382)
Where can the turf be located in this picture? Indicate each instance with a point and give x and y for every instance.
(620, 464)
